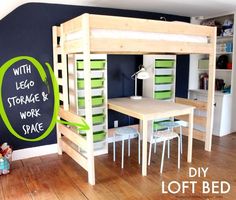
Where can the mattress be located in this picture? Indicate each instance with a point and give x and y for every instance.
(123, 34)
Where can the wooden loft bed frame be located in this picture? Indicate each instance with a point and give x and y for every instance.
(86, 44)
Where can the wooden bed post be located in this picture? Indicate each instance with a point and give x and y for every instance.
(55, 33)
(211, 93)
(88, 97)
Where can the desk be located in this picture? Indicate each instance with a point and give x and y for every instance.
(150, 109)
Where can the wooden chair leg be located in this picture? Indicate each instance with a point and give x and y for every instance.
(163, 155)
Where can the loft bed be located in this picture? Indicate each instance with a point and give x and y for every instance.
(91, 34)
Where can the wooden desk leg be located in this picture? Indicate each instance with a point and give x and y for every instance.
(144, 154)
(190, 137)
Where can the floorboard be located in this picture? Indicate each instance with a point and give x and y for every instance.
(55, 177)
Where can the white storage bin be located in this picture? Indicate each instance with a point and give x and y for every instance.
(163, 71)
(94, 74)
(162, 87)
(95, 110)
(95, 92)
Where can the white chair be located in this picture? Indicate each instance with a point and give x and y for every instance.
(170, 125)
(125, 133)
(163, 136)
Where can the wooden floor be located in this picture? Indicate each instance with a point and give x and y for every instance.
(59, 177)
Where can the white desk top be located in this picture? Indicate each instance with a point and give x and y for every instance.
(148, 108)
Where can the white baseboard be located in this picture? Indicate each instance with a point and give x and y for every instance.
(34, 152)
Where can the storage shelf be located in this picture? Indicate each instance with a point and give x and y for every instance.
(164, 71)
(224, 38)
(223, 52)
(160, 87)
(201, 91)
(217, 70)
(95, 92)
(94, 73)
(224, 70)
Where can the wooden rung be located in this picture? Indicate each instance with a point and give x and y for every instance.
(200, 105)
(60, 81)
(73, 137)
(66, 147)
(199, 120)
(69, 116)
(61, 97)
(58, 50)
(59, 66)
(198, 135)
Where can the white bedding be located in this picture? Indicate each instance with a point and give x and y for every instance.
(120, 34)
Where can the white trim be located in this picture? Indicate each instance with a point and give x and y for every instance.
(34, 152)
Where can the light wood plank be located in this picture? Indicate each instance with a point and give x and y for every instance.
(135, 46)
(73, 25)
(144, 149)
(200, 105)
(211, 94)
(88, 97)
(147, 25)
(59, 66)
(75, 155)
(190, 136)
(69, 116)
(60, 81)
(61, 96)
(199, 120)
(64, 69)
(147, 108)
(73, 136)
(73, 46)
(199, 135)
(58, 50)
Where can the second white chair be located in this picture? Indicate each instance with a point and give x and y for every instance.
(125, 133)
(163, 136)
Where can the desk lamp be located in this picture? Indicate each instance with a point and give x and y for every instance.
(141, 74)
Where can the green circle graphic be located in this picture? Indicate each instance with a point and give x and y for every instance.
(43, 77)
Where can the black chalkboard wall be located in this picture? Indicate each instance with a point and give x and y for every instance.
(27, 31)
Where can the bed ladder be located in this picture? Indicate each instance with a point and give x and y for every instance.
(68, 138)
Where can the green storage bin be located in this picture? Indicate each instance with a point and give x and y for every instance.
(157, 126)
(163, 79)
(163, 95)
(98, 119)
(203, 64)
(95, 83)
(95, 64)
(97, 136)
(164, 63)
(96, 101)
